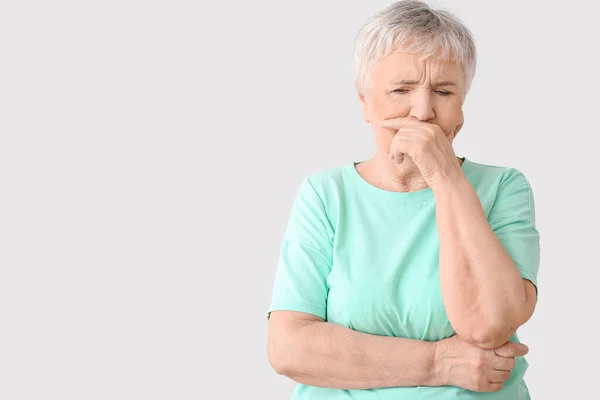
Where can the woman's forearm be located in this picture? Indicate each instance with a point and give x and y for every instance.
(482, 288)
(329, 355)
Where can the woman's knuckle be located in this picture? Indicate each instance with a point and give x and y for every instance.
(482, 359)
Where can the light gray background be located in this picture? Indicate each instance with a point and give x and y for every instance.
(150, 152)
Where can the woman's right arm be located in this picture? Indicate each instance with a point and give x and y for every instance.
(308, 350)
(316, 353)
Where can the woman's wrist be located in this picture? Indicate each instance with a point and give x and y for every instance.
(439, 369)
(429, 367)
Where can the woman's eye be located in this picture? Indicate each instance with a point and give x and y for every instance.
(440, 92)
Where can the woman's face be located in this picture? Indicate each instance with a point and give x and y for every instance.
(401, 86)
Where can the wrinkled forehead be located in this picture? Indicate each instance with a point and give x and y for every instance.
(413, 67)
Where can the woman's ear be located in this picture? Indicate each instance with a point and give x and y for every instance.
(363, 105)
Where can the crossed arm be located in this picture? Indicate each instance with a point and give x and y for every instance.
(306, 349)
(485, 297)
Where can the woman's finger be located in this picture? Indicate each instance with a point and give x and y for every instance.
(512, 349)
(397, 123)
(503, 363)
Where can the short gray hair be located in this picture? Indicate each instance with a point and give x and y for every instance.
(414, 27)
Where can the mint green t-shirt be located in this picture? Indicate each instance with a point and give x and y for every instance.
(368, 259)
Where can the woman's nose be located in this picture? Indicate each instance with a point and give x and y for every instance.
(422, 106)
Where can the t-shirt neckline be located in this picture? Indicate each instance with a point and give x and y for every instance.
(416, 196)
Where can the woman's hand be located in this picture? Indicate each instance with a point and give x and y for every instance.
(427, 145)
(459, 363)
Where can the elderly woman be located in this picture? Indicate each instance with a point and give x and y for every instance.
(406, 276)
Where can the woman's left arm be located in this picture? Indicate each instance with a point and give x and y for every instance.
(485, 295)
(488, 264)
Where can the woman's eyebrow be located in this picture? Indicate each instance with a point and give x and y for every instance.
(444, 83)
(405, 82)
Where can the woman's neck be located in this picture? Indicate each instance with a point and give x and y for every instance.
(386, 174)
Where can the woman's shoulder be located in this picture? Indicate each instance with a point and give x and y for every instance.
(326, 179)
(323, 187)
(493, 182)
(328, 174)
(481, 173)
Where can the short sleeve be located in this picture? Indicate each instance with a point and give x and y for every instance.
(305, 257)
(512, 218)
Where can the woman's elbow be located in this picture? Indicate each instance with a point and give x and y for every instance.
(277, 358)
(285, 347)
